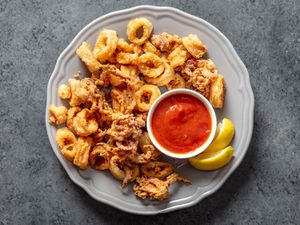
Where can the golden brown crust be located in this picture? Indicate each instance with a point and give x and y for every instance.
(106, 120)
(86, 54)
(217, 92)
(58, 114)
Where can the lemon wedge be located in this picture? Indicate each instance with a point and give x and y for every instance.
(212, 160)
(223, 137)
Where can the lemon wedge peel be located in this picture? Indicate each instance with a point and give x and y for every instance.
(212, 160)
(223, 136)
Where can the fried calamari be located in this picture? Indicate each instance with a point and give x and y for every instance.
(106, 120)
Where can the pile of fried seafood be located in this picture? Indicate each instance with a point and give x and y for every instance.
(105, 125)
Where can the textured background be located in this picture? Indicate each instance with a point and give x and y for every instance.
(34, 188)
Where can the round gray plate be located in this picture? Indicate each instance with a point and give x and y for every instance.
(239, 107)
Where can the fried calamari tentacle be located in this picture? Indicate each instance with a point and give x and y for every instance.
(201, 82)
(154, 188)
(176, 177)
(200, 74)
(141, 115)
(131, 173)
(166, 42)
(157, 169)
(115, 76)
(140, 158)
(125, 126)
(123, 101)
(130, 144)
(134, 82)
(102, 107)
(206, 66)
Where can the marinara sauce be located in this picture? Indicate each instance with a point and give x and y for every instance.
(181, 123)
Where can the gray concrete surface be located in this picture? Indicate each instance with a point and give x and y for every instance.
(34, 188)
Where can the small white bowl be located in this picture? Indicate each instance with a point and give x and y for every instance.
(200, 148)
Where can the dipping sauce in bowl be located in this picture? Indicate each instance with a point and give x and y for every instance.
(182, 123)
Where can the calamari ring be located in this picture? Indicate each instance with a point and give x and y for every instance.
(194, 46)
(177, 82)
(115, 169)
(151, 65)
(146, 96)
(163, 79)
(66, 141)
(74, 85)
(58, 114)
(99, 158)
(70, 118)
(134, 25)
(157, 169)
(83, 147)
(106, 45)
(69, 152)
(64, 92)
(84, 123)
(85, 53)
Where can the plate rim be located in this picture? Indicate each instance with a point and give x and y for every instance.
(246, 82)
